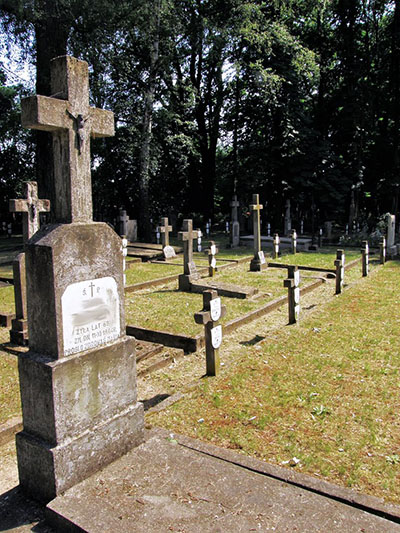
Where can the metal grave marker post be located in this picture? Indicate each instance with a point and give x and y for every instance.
(78, 413)
(292, 283)
(255, 207)
(382, 251)
(276, 242)
(212, 262)
(227, 228)
(294, 241)
(211, 313)
(207, 229)
(189, 268)
(339, 265)
(365, 258)
(31, 207)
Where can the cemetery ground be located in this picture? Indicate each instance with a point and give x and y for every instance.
(321, 396)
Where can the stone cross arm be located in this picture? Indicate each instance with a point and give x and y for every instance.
(21, 206)
(188, 235)
(51, 114)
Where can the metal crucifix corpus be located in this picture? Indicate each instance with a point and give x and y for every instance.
(30, 207)
(72, 122)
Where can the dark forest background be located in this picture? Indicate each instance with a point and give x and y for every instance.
(296, 99)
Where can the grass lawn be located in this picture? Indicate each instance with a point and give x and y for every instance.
(325, 391)
(322, 258)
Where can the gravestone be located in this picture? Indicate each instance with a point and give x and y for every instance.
(235, 226)
(189, 268)
(165, 230)
(79, 413)
(391, 235)
(292, 283)
(210, 315)
(294, 241)
(123, 222)
(339, 266)
(131, 230)
(256, 264)
(365, 258)
(31, 207)
(328, 229)
(288, 220)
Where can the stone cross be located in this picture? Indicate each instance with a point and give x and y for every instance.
(189, 268)
(211, 313)
(294, 241)
(339, 265)
(275, 251)
(382, 251)
(292, 284)
(30, 208)
(365, 258)
(72, 122)
(255, 207)
(165, 230)
(235, 226)
(212, 262)
(78, 413)
(123, 222)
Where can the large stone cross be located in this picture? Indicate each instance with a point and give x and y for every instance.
(30, 209)
(165, 229)
(187, 235)
(72, 122)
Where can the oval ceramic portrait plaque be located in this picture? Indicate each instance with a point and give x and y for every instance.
(215, 309)
(216, 337)
(90, 314)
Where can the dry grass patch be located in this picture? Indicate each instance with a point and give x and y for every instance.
(9, 385)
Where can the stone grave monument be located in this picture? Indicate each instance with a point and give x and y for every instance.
(79, 413)
(288, 219)
(256, 264)
(31, 207)
(165, 229)
(212, 312)
(189, 268)
(123, 223)
(235, 226)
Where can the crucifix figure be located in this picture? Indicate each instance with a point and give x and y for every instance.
(255, 264)
(30, 208)
(72, 123)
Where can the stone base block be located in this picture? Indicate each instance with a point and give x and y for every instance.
(257, 266)
(46, 471)
(185, 282)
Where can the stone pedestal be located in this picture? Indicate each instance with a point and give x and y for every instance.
(19, 325)
(78, 381)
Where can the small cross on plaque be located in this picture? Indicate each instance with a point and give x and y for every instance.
(72, 122)
(30, 209)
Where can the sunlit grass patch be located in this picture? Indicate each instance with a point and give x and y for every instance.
(322, 259)
(9, 384)
(325, 391)
(7, 299)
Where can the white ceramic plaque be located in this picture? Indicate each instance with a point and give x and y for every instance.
(213, 249)
(216, 337)
(297, 311)
(343, 259)
(90, 314)
(124, 242)
(215, 309)
(261, 257)
(213, 262)
(296, 278)
(169, 252)
(296, 295)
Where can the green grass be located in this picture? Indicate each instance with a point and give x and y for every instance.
(10, 404)
(323, 259)
(326, 392)
(7, 299)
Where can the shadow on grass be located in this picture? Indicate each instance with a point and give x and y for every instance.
(253, 341)
(16, 510)
(155, 400)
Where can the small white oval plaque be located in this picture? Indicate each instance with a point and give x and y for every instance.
(216, 337)
(215, 309)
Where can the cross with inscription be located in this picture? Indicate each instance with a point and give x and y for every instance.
(30, 209)
(72, 122)
(187, 235)
(165, 230)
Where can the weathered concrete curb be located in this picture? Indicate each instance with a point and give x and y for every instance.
(365, 502)
(9, 429)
